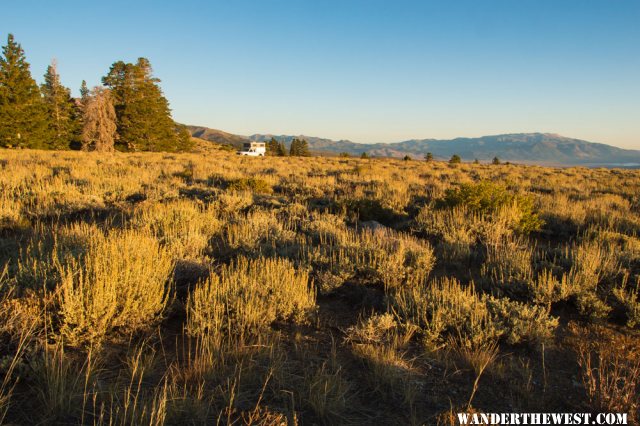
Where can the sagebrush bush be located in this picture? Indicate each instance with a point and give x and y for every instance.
(446, 307)
(248, 296)
(119, 284)
(379, 256)
(508, 267)
(184, 227)
(240, 184)
(629, 298)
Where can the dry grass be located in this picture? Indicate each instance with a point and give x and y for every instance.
(209, 288)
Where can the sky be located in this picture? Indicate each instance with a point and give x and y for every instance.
(367, 71)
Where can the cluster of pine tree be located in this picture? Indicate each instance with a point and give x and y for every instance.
(298, 148)
(275, 148)
(129, 113)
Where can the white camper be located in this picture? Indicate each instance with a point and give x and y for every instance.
(253, 149)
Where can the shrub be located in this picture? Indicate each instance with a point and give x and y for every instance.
(248, 296)
(455, 159)
(253, 184)
(629, 298)
(508, 267)
(184, 226)
(446, 308)
(365, 209)
(546, 289)
(521, 322)
(374, 329)
(488, 198)
(256, 185)
(254, 234)
(377, 257)
(118, 284)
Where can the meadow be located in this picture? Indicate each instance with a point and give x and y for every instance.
(205, 288)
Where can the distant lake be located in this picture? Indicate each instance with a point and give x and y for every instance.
(615, 165)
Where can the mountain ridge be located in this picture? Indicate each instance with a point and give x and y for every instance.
(544, 148)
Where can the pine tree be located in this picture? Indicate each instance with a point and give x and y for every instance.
(273, 147)
(495, 161)
(282, 150)
(143, 115)
(299, 148)
(63, 113)
(429, 157)
(23, 118)
(455, 159)
(84, 91)
(99, 118)
(294, 149)
(303, 148)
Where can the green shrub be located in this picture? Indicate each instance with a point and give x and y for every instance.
(365, 209)
(253, 184)
(490, 199)
(256, 185)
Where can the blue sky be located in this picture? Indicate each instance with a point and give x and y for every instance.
(369, 71)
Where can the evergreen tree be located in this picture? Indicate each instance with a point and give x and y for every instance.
(475, 161)
(406, 158)
(84, 91)
(99, 118)
(23, 117)
(63, 113)
(455, 159)
(299, 148)
(495, 161)
(143, 115)
(429, 157)
(294, 149)
(364, 156)
(273, 147)
(282, 149)
(303, 148)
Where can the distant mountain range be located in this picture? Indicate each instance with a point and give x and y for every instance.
(541, 148)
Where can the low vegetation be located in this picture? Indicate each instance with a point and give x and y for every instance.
(203, 288)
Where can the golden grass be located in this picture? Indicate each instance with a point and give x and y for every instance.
(207, 287)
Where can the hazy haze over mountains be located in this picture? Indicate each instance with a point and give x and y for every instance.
(543, 148)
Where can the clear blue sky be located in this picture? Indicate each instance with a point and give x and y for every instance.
(369, 71)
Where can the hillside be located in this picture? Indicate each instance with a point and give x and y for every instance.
(522, 147)
(543, 148)
(217, 136)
